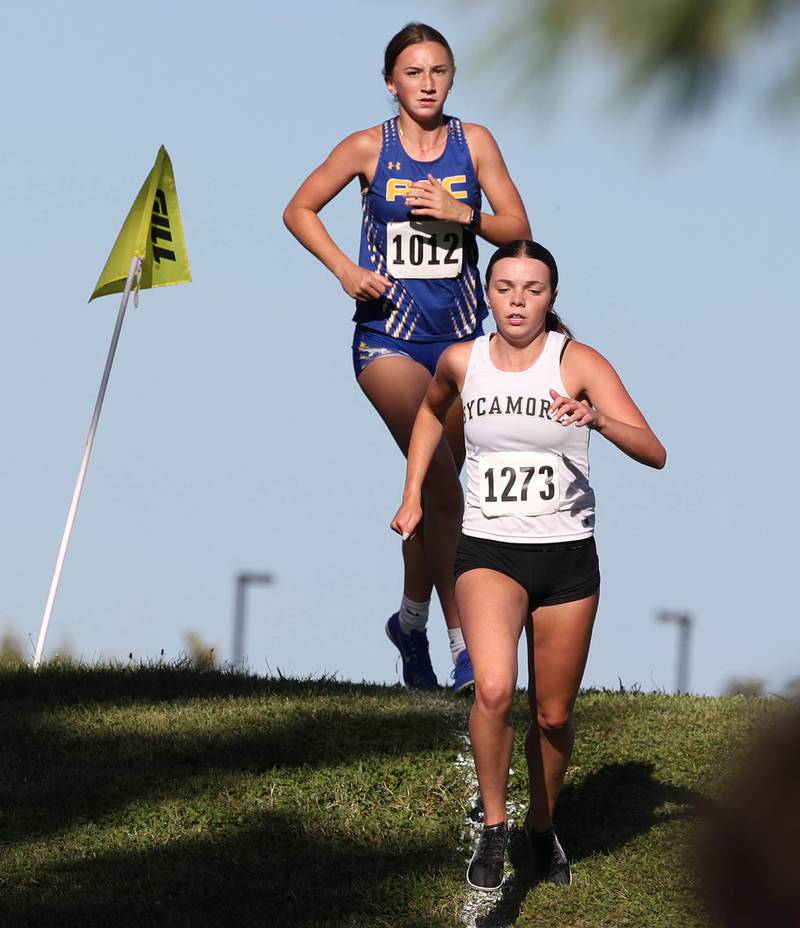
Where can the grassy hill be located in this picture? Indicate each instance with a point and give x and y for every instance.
(165, 797)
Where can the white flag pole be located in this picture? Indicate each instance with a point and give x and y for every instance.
(76, 495)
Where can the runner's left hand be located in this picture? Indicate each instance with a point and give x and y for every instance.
(429, 198)
(567, 411)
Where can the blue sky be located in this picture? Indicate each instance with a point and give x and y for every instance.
(234, 436)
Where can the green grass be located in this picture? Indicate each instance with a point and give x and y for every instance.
(162, 796)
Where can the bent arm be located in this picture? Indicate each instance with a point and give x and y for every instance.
(638, 442)
(352, 157)
(508, 219)
(615, 415)
(317, 190)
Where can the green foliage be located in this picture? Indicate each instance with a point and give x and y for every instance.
(160, 796)
(687, 48)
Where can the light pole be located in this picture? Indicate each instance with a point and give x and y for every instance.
(242, 580)
(684, 622)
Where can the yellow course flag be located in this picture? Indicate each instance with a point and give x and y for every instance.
(153, 231)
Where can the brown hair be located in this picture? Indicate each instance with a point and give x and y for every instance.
(524, 248)
(413, 34)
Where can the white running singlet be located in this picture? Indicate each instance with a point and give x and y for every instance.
(527, 476)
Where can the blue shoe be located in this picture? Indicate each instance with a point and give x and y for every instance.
(417, 670)
(462, 673)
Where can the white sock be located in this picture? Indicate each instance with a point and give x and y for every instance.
(457, 645)
(413, 616)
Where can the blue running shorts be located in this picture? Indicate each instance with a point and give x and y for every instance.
(369, 345)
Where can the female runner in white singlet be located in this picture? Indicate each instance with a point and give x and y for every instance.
(417, 291)
(531, 396)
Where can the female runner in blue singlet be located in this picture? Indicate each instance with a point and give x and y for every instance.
(417, 291)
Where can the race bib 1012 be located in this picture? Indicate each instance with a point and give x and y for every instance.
(427, 250)
(519, 483)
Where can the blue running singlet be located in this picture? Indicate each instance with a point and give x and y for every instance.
(436, 291)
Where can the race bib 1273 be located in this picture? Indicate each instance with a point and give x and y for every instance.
(519, 483)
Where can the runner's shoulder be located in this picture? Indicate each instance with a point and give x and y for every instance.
(364, 141)
(454, 360)
(361, 147)
(477, 134)
(583, 360)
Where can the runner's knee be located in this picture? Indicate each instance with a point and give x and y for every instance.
(553, 718)
(494, 697)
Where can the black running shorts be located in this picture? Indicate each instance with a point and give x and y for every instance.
(551, 573)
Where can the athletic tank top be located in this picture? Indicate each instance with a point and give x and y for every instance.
(436, 291)
(527, 476)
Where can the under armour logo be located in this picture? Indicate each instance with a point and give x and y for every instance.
(393, 165)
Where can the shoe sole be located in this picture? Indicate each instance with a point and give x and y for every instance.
(569, 869)
(389, 636)
(486, 889)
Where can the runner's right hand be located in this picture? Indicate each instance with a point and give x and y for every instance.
(406, 520)
(361, 284)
